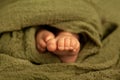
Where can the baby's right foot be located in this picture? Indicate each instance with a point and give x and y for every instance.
(45, 40)
(68, 47)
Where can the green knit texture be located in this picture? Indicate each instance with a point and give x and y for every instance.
(97, 21)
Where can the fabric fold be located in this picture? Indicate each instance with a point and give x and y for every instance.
(19, 59)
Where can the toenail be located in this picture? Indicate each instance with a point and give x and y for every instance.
(66, 47)
(71, 47)
(61, 48)
(74, 50)
(48, 38)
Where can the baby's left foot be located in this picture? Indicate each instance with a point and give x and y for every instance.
(45, 40)
(68, 47)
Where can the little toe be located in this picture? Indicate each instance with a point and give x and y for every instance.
(51, 45)
(67, 44)
(40, 49)
(76, 46)
(41, 45)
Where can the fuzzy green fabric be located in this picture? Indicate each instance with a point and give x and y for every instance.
(99, 58)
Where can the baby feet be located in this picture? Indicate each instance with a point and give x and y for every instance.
(66, 45)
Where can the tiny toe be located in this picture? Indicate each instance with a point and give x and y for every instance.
(72, 43)
(51, 45)
(67, 43)
(40, 49)
(77, 45)
(60, 44)
(42, 43)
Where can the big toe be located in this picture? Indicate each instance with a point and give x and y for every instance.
(51, 45)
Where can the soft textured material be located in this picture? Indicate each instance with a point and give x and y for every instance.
(99, 58)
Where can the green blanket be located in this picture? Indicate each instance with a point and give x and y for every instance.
(99, 58)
